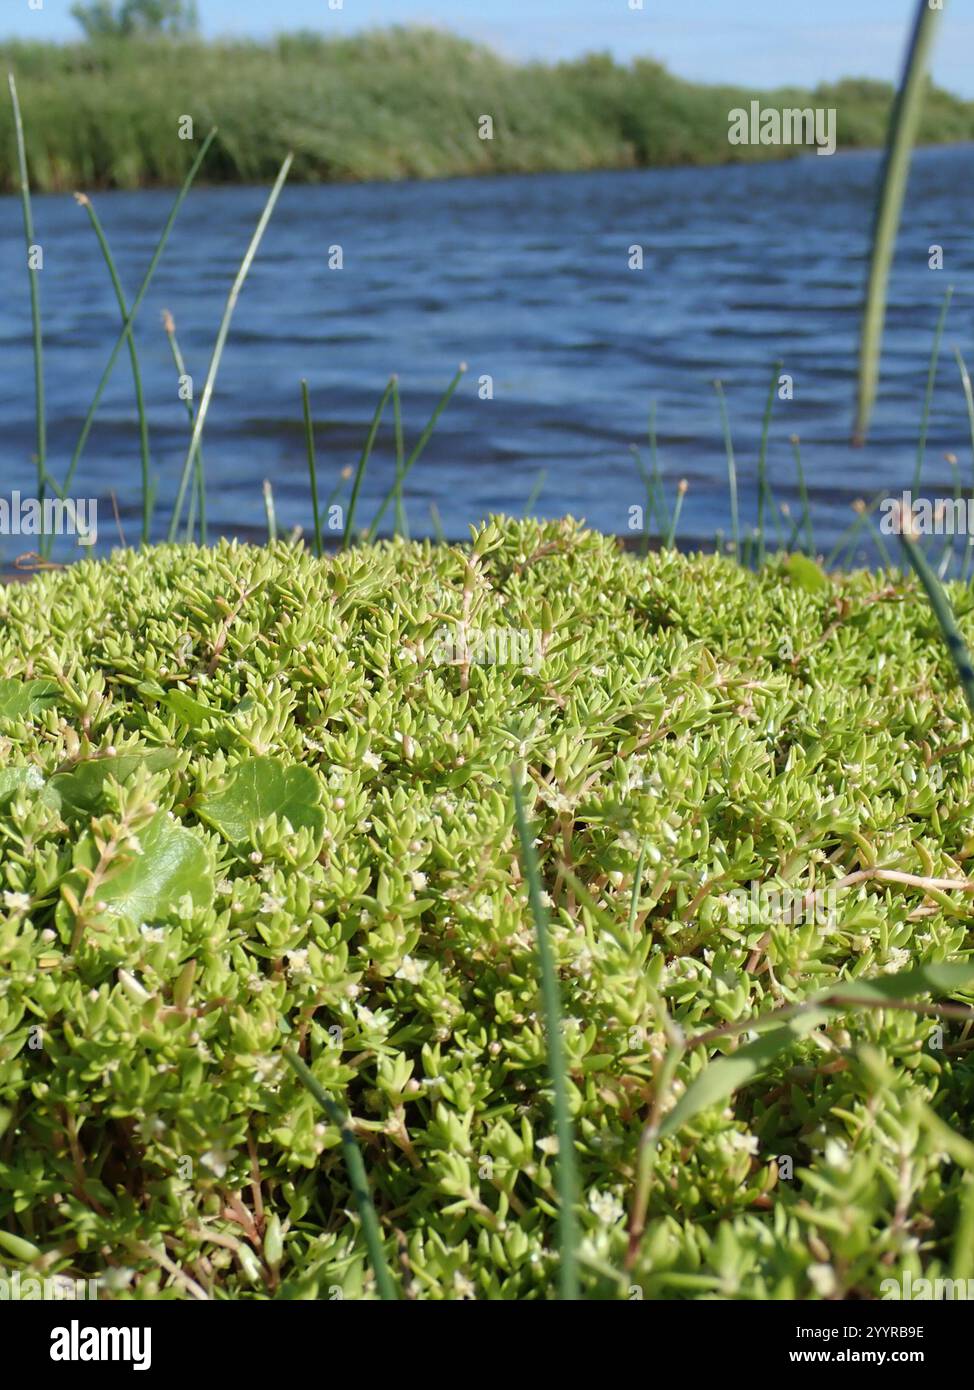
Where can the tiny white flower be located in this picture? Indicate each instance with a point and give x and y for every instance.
(218, 1160)
(822, 1279)
(549, 1144)
(17, 902)
(297, 964)
(606, 1207)
(412, 971)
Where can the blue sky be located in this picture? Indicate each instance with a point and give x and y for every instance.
(753, 42)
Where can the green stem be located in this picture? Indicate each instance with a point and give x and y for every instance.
(356, 1176)
(106, 251)
(221, 339)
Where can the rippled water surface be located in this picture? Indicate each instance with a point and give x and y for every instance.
(528, 280)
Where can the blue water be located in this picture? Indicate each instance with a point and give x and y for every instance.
(527, 280)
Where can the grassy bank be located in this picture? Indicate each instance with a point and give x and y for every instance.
(253, 802)
(390, 104)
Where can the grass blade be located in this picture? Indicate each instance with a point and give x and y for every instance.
(536, 491)
(722, 1077)
(358, 1181)
(731, 470)
(803, 494)
(942, 610)
(221, 338)
(764, 491)
(423, 441)
(400, 526)
(270, 512)
(681, 492)
(438, 531)
(567, 1177)
(928, 394)
(40, 408)
(84, 201)
(364, 461)
(309, 434)
(904, 123)
(965, 381)
(169, 326)
(136, 305)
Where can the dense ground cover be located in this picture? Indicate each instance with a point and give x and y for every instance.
(389, 104)
(164, 934)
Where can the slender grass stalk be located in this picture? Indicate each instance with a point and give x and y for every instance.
(681, 492)
(169, 326)
(358, 1181)
(364, 462)
(942, 610)
(40, 407)
(656, 472)
(309, 434)
(887, 559)
(803, 494)
(130, 321)
(536, 491)
(965, 381)
(764, 491)
(731, 469)
(904, 123)
(931, 379)
(651, 512)
(649, 1139)
(221, 339)
(438, 531)
(270, 511)
(414, 456)
(850, 535)
(567, 1176)
(400, 526)
(84, 201)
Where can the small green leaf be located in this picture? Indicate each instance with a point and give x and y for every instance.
(172, 863)
(81, 789)
(806, 574)
(721, 1078)
(20, 699)
(15, 779)
(190, 711)
(257, 789)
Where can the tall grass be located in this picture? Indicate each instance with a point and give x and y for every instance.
(221, 339)
(907, 126)
(390, 104)
(35, 295)
(567, 1174)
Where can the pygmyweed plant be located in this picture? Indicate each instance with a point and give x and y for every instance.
(245, 813)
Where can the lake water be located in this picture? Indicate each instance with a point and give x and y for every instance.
(527, 279)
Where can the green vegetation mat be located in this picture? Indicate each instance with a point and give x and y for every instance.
(390, 104)
(252, 801)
